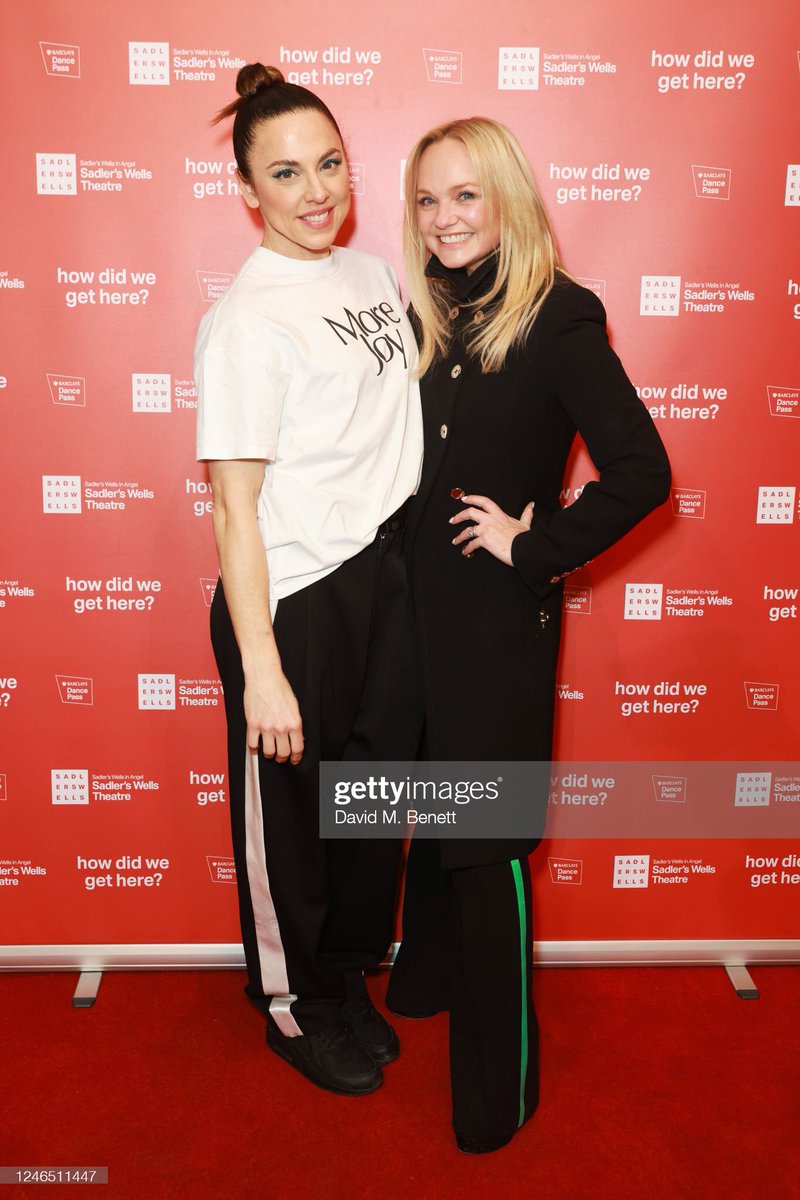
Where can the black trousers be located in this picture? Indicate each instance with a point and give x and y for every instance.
(311, 910)
(467, 947)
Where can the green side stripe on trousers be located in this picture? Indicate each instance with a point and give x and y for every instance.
(523, 958)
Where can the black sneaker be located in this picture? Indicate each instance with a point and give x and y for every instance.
(332, 1059)
(370, 1030)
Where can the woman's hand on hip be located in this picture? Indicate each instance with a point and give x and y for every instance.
(492, 529)
(273, 714)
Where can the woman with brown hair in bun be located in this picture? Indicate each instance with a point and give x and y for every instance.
(309, 420)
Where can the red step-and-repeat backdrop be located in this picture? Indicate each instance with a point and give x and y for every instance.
(665, 143)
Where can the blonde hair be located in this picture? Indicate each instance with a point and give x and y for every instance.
(527, 254)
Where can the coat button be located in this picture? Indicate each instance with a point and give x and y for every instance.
(544, 617)
(456, 371)
(456, 493)
(443, 431)
(453, 314)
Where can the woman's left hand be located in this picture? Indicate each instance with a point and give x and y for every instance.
(493, 530)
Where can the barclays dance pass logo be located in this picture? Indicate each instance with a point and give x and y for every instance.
(783, 401)
(443, 66)
(61, 59)
(213, 284)
(688, 502)
(221, 868)
(577, 599)
(68, 389)
(75, 689)
(208, 586)
(712, 183)
(566, 871)
(762, 696)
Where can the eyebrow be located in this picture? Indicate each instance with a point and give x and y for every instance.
(292, 162)
(456, 188)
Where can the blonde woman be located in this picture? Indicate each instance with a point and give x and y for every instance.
(515, 361)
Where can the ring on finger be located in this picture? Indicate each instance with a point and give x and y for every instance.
(473, 532)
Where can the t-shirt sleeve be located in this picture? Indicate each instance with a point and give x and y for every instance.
(239, 394)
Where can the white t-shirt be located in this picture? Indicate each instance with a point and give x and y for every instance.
(308, 365)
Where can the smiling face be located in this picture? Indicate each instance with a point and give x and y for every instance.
(299, 182)
(452, 215)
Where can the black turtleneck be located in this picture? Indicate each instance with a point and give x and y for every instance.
(465, 286)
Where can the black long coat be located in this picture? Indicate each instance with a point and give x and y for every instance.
(489, 633)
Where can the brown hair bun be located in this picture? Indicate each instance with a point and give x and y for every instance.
(255, 76)
(263, 95)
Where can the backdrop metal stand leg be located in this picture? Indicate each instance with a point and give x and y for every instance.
(742, 980)
(85, 993)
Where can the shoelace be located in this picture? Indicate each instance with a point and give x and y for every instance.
(327, 1039)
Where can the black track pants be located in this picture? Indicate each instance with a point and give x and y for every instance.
(311, 909)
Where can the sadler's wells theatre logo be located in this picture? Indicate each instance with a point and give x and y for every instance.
(643, 601)
(151, 393)
(56, 175)
(69, 787)
(775, 505)
(752, 789)
(518, 68)
(660, 296)
(61, 494)
(156, 692)
(631, 870)
(148, 62)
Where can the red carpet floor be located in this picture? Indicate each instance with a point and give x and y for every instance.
(655, 1083)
